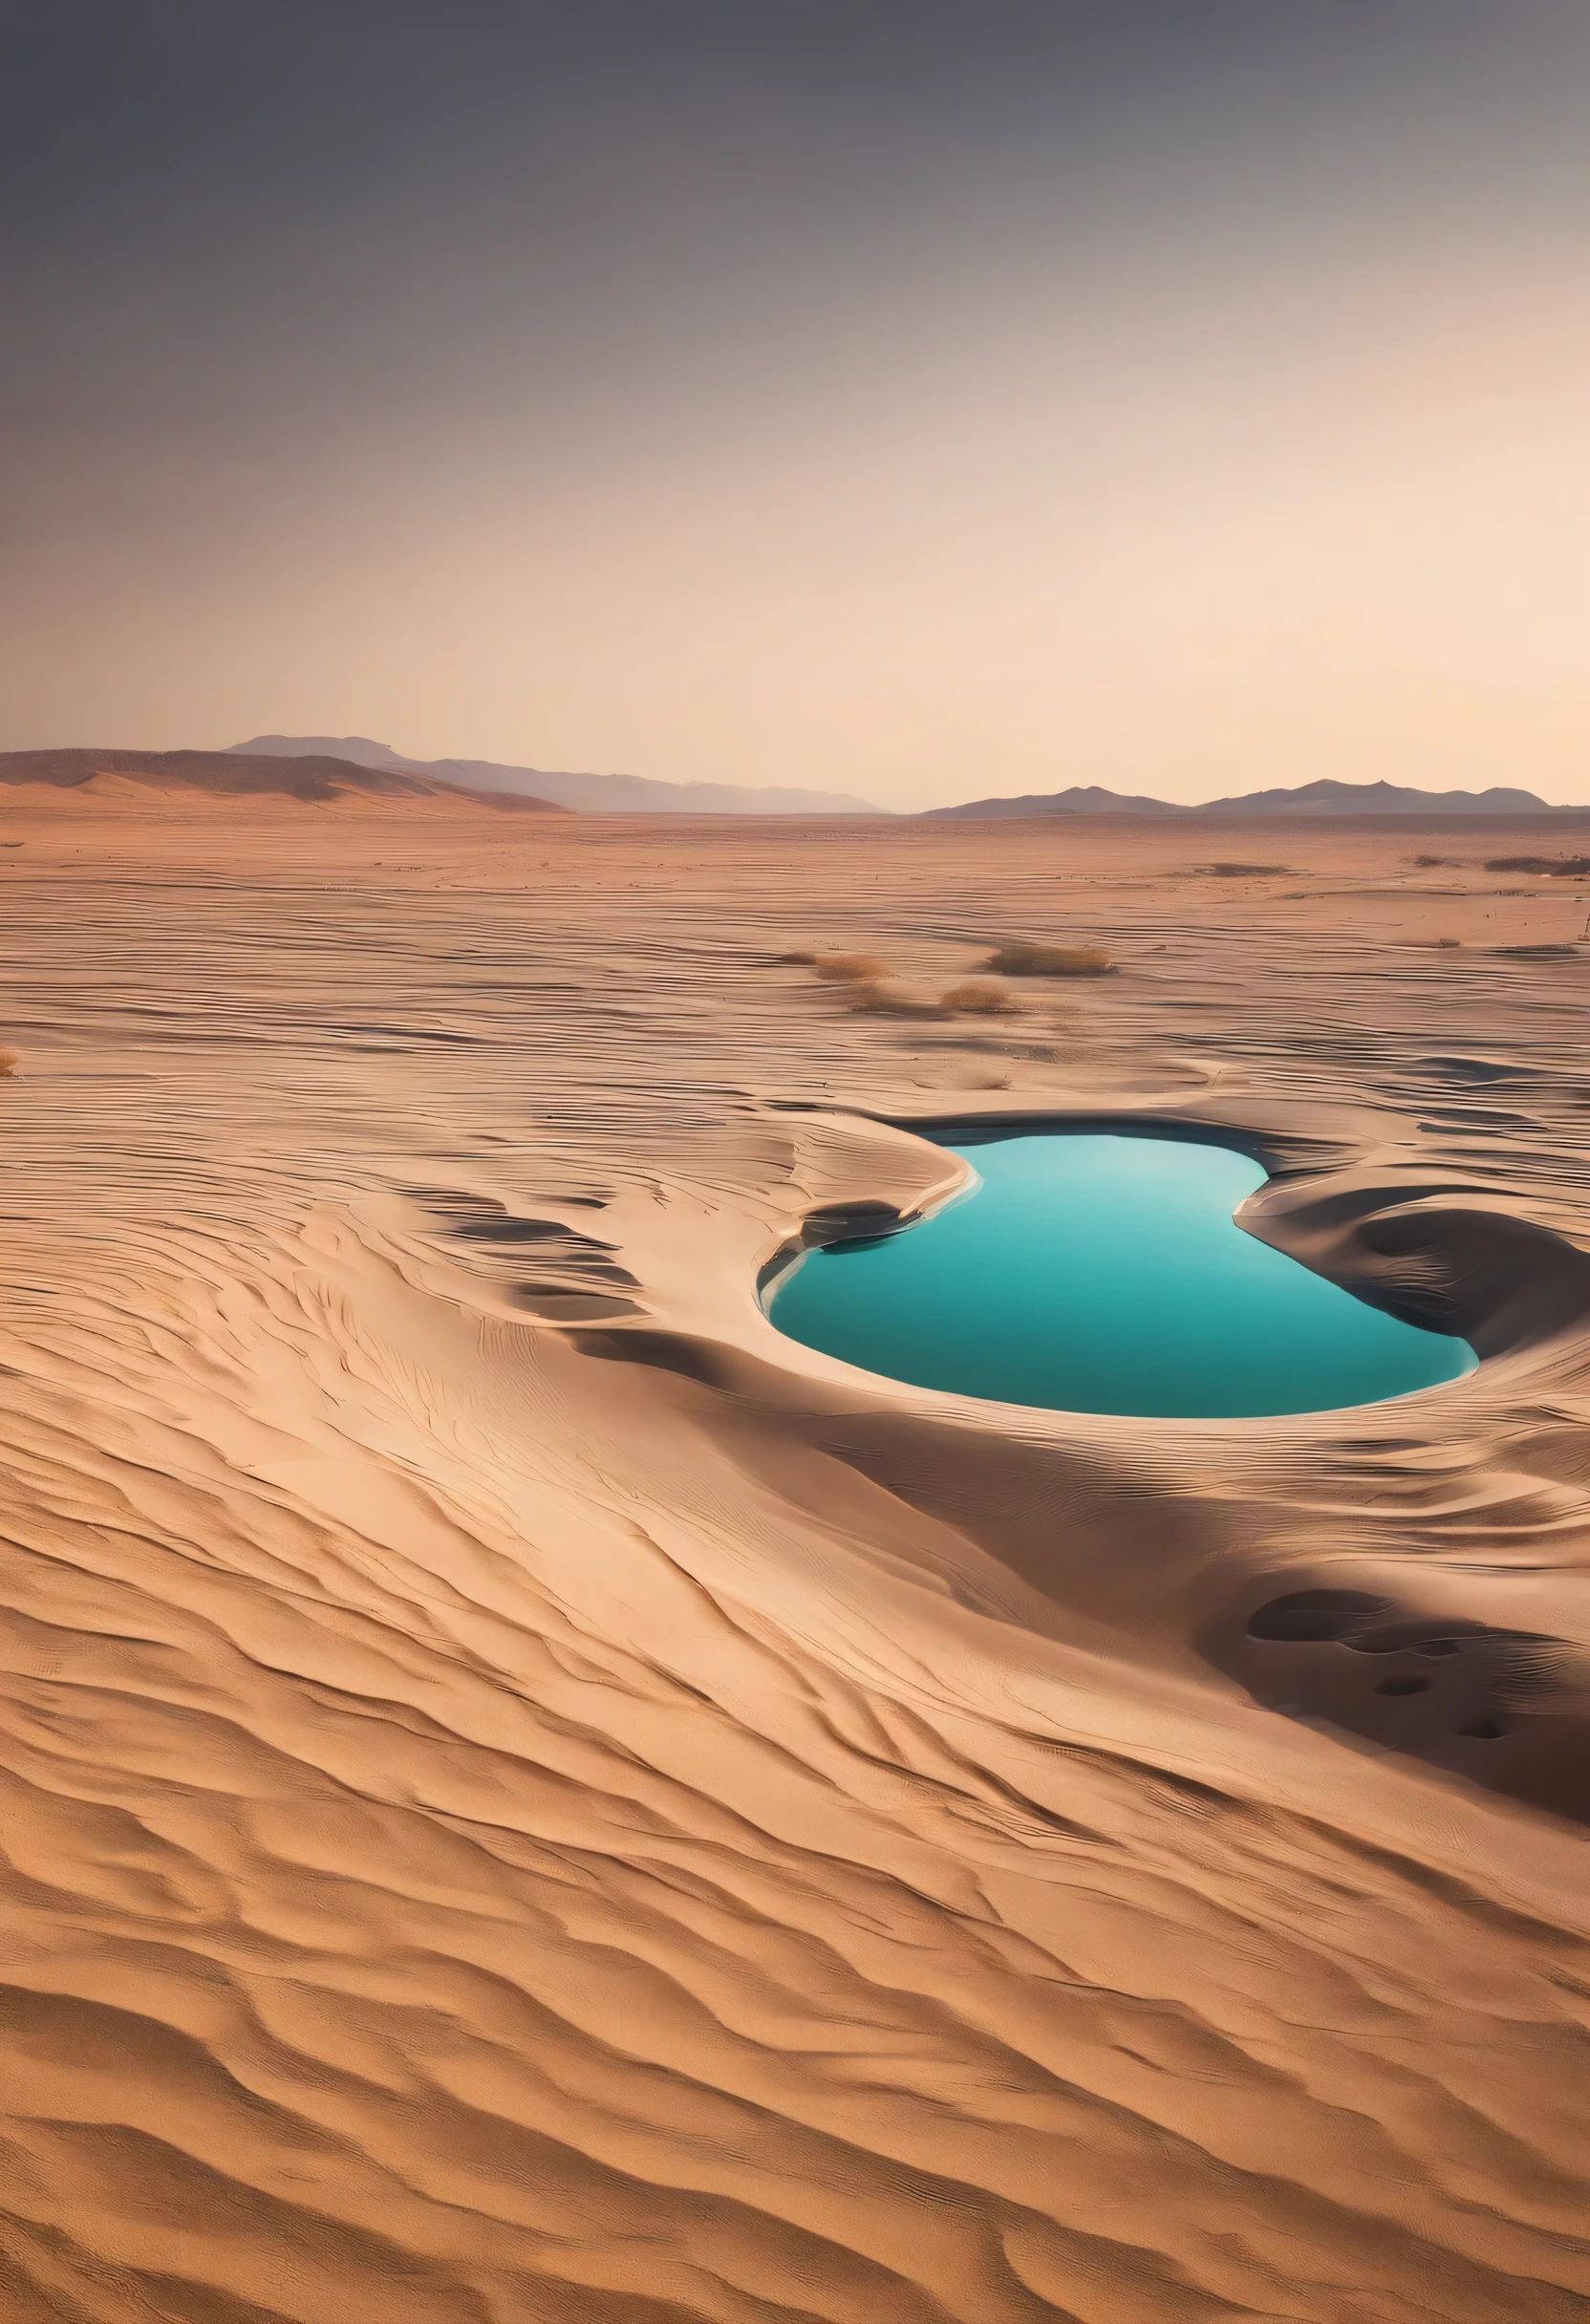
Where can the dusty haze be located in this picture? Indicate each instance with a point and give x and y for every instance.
(926, 403)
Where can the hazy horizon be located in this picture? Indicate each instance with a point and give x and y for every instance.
(926, 404)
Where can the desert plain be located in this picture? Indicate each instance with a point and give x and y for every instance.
(530, 1798)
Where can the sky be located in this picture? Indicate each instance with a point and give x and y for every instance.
(921, 400)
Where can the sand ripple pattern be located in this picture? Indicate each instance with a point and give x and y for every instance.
(528, 1799)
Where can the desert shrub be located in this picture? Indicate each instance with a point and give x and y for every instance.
(979, 997)
(1544, 867)
(883, 996)
(1050, 960)
(797, 960)
(849, 967)
(1429, 863)
(1244, 870)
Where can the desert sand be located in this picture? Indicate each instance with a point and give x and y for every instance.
(530, 1798)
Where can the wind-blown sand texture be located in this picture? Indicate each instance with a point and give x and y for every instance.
(529, 1797)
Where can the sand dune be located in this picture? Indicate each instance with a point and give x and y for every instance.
(529, 1797)
(130, 775)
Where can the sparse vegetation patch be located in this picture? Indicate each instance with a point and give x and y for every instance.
(981, 997)
(1022, 960)
(849, 967)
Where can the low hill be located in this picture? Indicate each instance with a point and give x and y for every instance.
(590, 794)
(1322, 798)
(1082, 799)
(314, 779)
(1328, 798)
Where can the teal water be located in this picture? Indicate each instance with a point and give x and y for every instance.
(1104, 1274)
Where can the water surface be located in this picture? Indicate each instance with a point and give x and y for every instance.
(1104, 1273)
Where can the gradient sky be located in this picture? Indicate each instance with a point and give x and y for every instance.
(920, 399)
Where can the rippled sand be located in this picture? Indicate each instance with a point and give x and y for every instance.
(528, 1796)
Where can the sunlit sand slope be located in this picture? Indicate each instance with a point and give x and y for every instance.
(129, 777)
(527, 1796)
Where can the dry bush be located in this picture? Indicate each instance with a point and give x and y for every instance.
(849, 967)
(979, 997)
(1449, 943)
(1429, 863)
(797, 960)
(1050, 960)
(884, 997)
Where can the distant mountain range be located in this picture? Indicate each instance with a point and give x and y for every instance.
(1325, 798)
(324, 765)
(594, 794)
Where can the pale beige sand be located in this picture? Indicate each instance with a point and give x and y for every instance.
(528, 1796)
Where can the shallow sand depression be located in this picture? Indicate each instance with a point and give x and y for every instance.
(531, 1796)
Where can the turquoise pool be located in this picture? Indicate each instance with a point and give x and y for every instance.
(1104, 1273)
